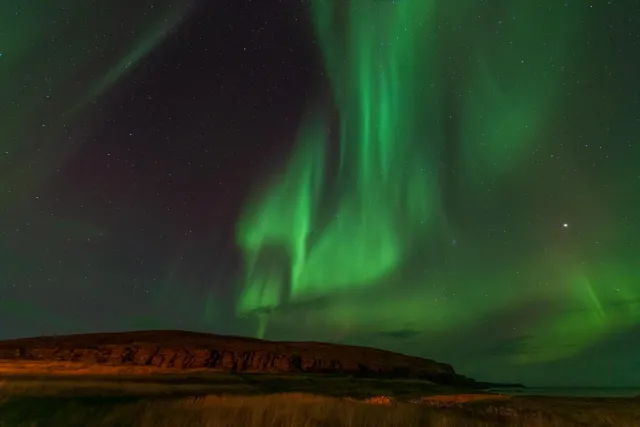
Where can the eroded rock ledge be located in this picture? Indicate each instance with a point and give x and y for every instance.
(179, 351)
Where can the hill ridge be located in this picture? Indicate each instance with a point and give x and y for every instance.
(183, 351)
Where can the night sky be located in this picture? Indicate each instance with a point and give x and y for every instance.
(454, 182)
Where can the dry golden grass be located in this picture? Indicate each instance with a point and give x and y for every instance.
(296, 409)
(68, 387)
(379, 400)
(68, 403)
(445, 400)
(36, 367)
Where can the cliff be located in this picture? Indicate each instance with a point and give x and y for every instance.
(179, 351)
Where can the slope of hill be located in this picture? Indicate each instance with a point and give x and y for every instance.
(181, 352)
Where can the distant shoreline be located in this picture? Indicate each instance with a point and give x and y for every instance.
(563, 391)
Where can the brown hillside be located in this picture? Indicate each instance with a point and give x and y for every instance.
(180, 351)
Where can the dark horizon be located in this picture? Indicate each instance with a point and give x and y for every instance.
(459, 184)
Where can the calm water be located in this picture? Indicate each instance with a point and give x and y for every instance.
(575, 391)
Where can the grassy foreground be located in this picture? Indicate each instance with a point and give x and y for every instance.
(248, 402)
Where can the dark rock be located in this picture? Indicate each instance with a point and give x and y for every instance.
(182, 351)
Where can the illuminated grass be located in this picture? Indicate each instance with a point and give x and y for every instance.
(50, 404)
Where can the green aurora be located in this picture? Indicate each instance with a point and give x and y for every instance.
(36, 34)
(361, 232)
(422, 208)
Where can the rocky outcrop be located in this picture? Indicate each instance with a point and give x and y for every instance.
(179, 351)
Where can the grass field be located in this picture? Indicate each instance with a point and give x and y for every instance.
(286, 401)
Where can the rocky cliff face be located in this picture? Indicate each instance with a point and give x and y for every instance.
(183, 351)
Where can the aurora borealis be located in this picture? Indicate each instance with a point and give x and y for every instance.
(452, 182)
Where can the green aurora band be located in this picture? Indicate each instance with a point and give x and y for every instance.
(57, 59)
(80, 38)
(362, 234)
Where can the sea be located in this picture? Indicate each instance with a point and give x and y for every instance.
(572, 391)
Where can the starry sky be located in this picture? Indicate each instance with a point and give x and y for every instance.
(459, 183)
